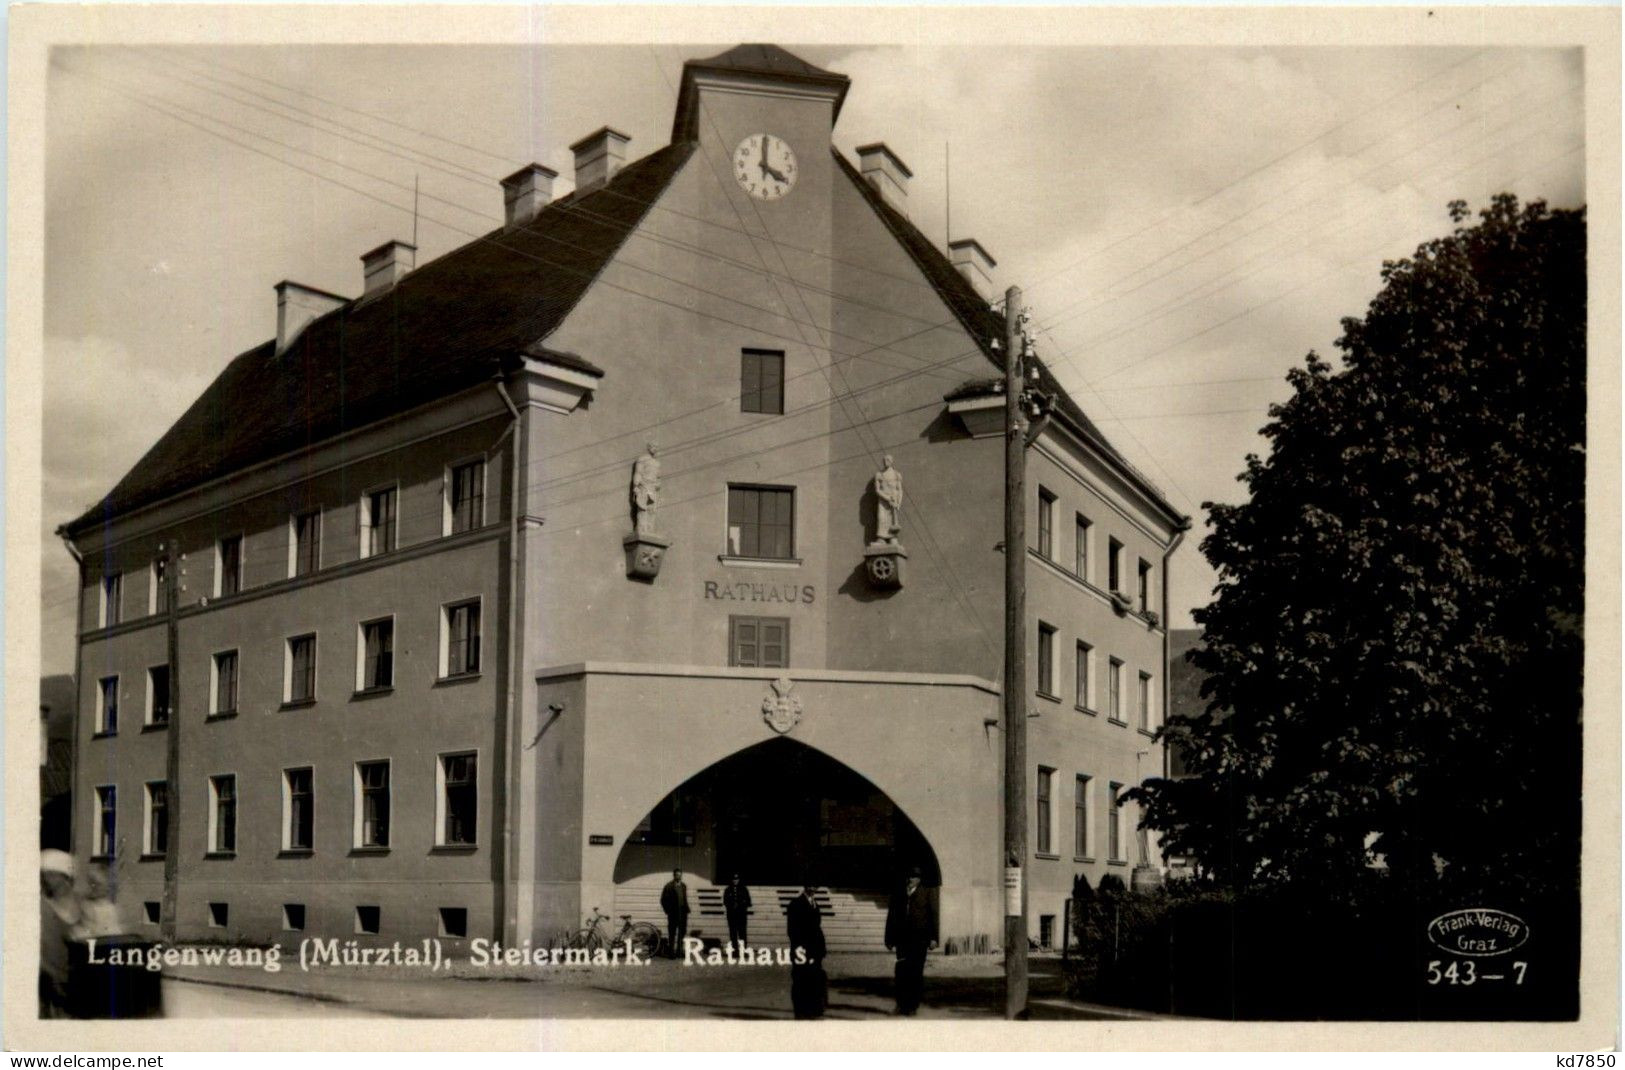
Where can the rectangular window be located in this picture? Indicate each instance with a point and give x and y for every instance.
(466, 502)
(1145, 587)
(376, 646)
(1046, 931)
(453, 921)
(1046, 523)
(761, 522)
(229, 558)
(367, 919)
(460, 639)
(107, 706)
(293, 917)
(1046, 659)
(299, 683)
(1046, 779)
(218, 915)
(158, 597)
(1114, 690)
(158, 694)
(1080, 817)
(298, 810)
(156, 835)
(1080, 552)
(223, 814)
(761, 380)
(307, 543)
(1145, 701)
(112, 599)
(1114, 565)
(459, 802)
(151, 911)
(759, 642)
(225, 682)
(106, 820)
(378, 522)
(1114, 822)
(1086, 655)
(372, 804)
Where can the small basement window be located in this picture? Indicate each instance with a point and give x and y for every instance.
(293, 917)
(453, 921)
(366, 919)
(218, 914)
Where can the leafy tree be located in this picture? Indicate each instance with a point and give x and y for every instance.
(1394, 651)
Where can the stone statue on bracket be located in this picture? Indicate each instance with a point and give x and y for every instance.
(645, 549)
(883, 560)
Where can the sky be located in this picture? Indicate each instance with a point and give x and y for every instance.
(1186, 223)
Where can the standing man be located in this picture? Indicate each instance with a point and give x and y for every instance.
(805, 927)
(674, 901)
(736, 904)
(911, 930)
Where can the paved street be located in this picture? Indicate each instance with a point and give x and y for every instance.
(860, 989)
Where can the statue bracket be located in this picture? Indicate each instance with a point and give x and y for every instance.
(883, 564)
(644, 554)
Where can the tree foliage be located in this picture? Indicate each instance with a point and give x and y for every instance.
(1393, 655)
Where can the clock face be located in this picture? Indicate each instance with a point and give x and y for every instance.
(765, 167)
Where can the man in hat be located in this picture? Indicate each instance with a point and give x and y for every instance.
(674, 901)
(911, 931)
(736, 904)
(59, 913)
(804, 925)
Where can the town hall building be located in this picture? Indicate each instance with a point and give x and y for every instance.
(660, 528)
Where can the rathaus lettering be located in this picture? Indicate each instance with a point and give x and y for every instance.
(758, 592)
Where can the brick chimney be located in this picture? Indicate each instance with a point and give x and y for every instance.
(975, 263)
(599, 156)
(297, 305)
(525, 193)
(386, 265)
(889, 175)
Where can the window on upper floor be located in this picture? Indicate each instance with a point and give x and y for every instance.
(112, 607)
(104, 837)
(305, 543)
(372, 804)
(299, 670)
(1082, 676)
(1046, 785)
(229, 566)
(1145, 586)
(375, 654)
(1082, 838)
(1144, 699)
(1114, 690)
(1046, 659)
(158, 591)
(298, 809)
(107, 706)
(761, 522)
(761, 380)
(759, 642)
(1114, 565)
(465, 497)
(1080, 551)
(1114, 822)
(223, 687)
(1046, 524)
(378, 521)
(155, 818)
(158, 695)
(223, 814)
(460, 638)
(458, 800)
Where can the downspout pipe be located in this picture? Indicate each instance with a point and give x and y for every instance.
(74, 795)
(1167, 629)
(509, 760)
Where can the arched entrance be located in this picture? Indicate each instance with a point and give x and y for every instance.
(780, 814)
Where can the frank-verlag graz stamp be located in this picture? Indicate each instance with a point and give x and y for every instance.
(686, 571)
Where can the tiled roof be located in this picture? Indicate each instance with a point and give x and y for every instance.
(983, 324)
(445, 327)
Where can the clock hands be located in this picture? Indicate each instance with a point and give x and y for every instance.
(767, 170)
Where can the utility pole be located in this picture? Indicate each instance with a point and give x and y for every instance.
(1015, 664)
(173, 561)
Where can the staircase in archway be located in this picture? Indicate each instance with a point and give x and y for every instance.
(854, 919)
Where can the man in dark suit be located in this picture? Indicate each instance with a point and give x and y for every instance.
(736, 904)
(911, 930)
(805, 927)
(674, 901)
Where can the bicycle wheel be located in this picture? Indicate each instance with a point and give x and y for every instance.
(645, 938)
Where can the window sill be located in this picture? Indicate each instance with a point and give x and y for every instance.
(454, 848)
(155, 726)
(101, 858)
(1046, 695)
(1117, 861)
(1115, 721)
(1083, 858)
(369, 851)
(371, 692)
(220, 854)
(1086, 709)
(297, 704)
(457, 678)
(759, 562)
(222, 715)
(296, 852)
(1046, 856)
(151, 857)
(1147, 733)
(105, 735)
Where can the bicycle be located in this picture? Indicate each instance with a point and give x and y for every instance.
(639, 935)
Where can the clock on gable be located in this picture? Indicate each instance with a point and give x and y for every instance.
(765, 167)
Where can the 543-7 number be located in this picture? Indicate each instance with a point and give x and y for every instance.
(1466, 972)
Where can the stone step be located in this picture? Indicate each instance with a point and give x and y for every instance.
(854, 919)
